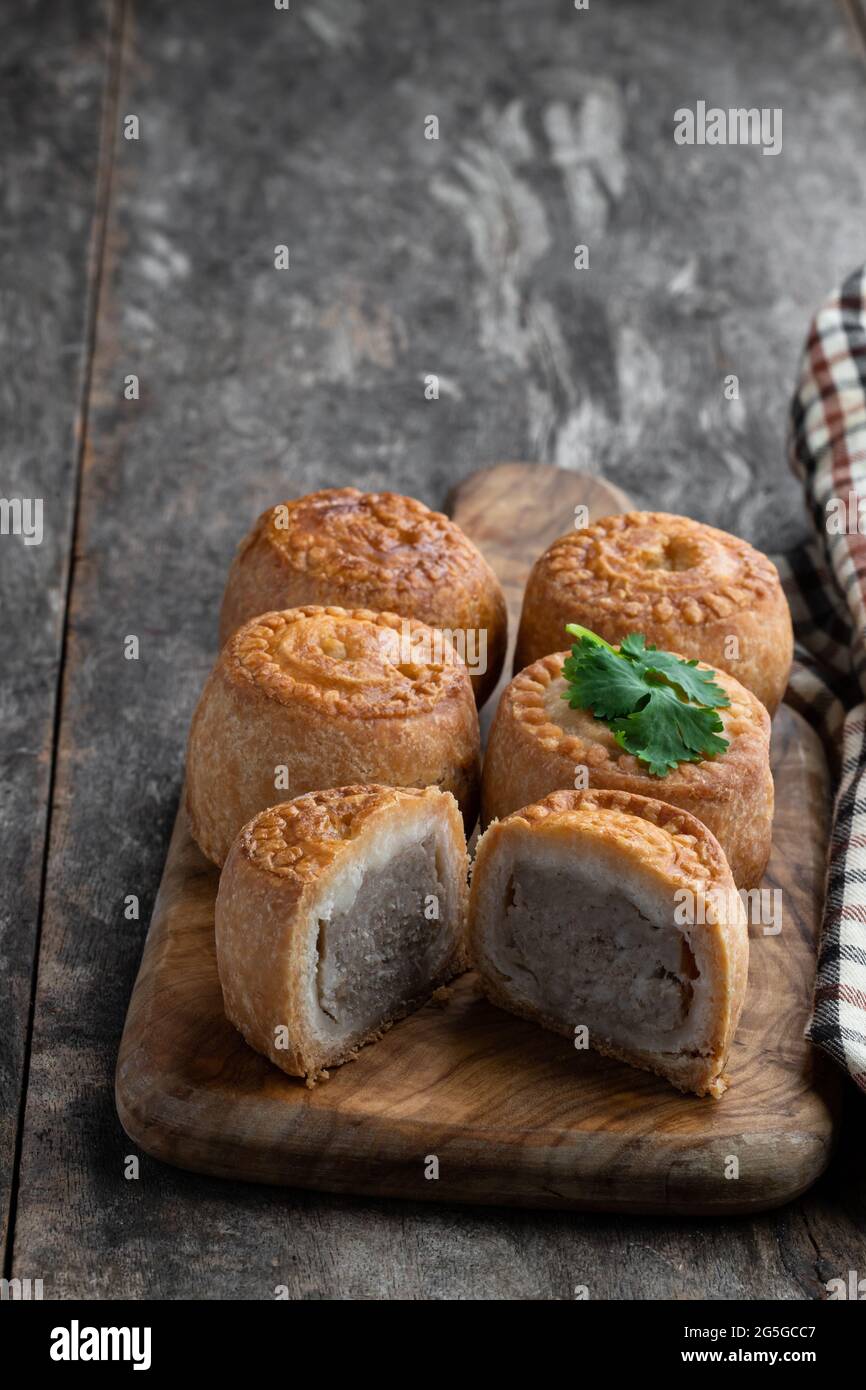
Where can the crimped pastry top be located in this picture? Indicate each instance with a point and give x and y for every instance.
(355, 663)
(535, 703)
(671, 842)
(300, 838)
(379, 540)
(655, 565)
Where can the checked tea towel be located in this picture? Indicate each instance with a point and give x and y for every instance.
(826, 586)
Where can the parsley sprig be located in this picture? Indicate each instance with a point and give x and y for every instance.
(658, 707)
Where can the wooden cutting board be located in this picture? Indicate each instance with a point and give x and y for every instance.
(511, 1114)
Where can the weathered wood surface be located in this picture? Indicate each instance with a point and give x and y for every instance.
(512, 1114)
(53, 65)
(408, 257)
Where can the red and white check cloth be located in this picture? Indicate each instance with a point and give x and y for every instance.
(826, 586)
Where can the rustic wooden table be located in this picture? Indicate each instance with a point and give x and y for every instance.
(154, 258)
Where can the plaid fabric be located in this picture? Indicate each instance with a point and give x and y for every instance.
(826, 587)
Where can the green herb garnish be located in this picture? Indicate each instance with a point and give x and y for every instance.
(658, 707)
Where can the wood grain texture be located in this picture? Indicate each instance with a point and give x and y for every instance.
(52, 83)
(256, 387)
(513, 1114)
(536, 503)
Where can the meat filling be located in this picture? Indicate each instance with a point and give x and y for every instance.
(586, 956)
(379, 954)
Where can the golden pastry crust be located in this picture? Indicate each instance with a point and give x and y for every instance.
(538, 744)
(299, 839)
(340, 662)
(671, 851)
(278, 869)
(687, 587)
(324, 693)
(374, 550)
(676, 849)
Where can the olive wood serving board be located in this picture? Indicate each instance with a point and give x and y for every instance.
(512, 1114)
